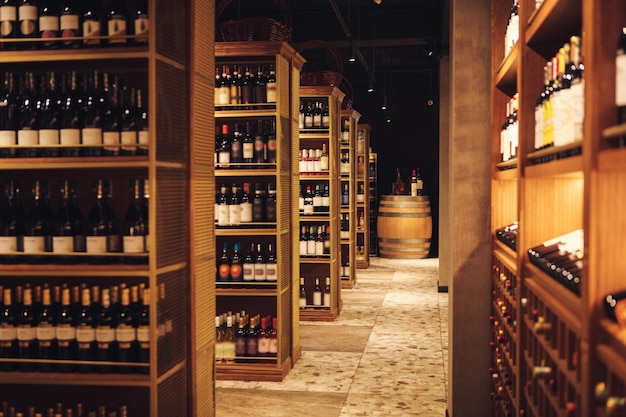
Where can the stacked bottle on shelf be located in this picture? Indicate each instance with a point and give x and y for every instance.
(509, 134)
(314, 115)
(508, 235)
(241, 338)
(74, 114)
(315, 240)
(251, 149)
(620, 84)
(511, 34)
(315, 199)
(239, 86)
(66, 24)
(56, 324)
(257, 265)
(240, 205)
(313, 160)
(63, 236)
(319, 298)
(561, 258)
(559, 110)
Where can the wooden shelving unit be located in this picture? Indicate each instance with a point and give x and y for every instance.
(328, 265)
(373, 201)
(265, 298)
(172, 382)
(575, 188)
(348, 219)
(363, 210)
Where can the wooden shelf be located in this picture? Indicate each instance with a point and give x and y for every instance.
(506, 75)
(552, 24)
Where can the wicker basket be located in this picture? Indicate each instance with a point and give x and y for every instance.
(346, 87)
(321, 76)
(254, 28)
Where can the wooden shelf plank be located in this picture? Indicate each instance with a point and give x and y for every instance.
(552, 24)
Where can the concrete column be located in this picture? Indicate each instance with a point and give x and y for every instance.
(467, 238)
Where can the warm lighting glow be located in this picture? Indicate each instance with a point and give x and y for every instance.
(378, 1)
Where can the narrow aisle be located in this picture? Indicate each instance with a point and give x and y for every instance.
(383, 356)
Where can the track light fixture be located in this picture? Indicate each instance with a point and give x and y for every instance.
(370, 86)
(378, 1)
(352, 57)
(384, 106)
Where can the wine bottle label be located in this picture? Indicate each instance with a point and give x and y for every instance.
(91, 29)
(46, 332)
(143, 139)
(326, 299)
(7, 137)
(143, 334)
(252, 346)
(234, 214)
(125, 334)
(263, 345)
(141, 26)
(310, 247)
(69, 137)
(7, 14)
(96, 244)
(303, 245)
(240, 346)
(8, 244)
(260, 272)
(134, 244)
(223, 215)
(248, 272)
(117, 29)
(27, 17)
(245, 212)
(66, 332)
(26, 137)
(8, 334)
(317, 298)
(114, 243)
(620, 80)
(324, 163)
(85, 334)
(319, 248)
(63, 244)
(105, 334)
(49, 137)
(69, 25)
(128, 140)
(273, 345)
(48, 26)
(308, 208)
(271, 92)
(271, 272)
(111, 141)
(236, 272)
(224, 272)
(92, 136)
(302, 302)
(26, 333)
(248, 150)
(34, 244)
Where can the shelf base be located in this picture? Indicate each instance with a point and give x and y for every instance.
(318, 315)
(252, 372)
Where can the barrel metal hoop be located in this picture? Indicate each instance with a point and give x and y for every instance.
(386, 214)
(391, 240)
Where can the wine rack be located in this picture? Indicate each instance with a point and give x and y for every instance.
(569, 357)
(161, 69)
(373, 201)
(363, 213)
(268, 298)
(349, 220)
(312, 267)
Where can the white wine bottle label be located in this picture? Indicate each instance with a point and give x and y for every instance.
(66, 332)
(8, 334)
(248, 272)
(129, 140)
(134, 244)
(125, 334)
(141, 26)
(8, 244)
(143, 334)
(46, 332)
(303, 246)
(27, 18)
(96, 244)
(317, 298)
(92, 136)
(49, 137)
(234, 214)
(7, 137)
(34, 244)
(63, 244)
(260, 272)
(26, 333)
(117, 29)
(69, 22)
(26, 137)
(48, 24)
(91, 29)
(143, 139)
(223, 215)
(620, 80)
(85, 334)
(271, 92)
(105, 334)
(7, 13)
(326, 299)
(245, 212)
(271, 272)
(69, 137)
(111, 140)
(273, 346)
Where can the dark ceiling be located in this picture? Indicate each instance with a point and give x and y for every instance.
(398, 42)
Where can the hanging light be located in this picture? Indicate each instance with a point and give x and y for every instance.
(352, 57)
(370, 86)
(384, 106)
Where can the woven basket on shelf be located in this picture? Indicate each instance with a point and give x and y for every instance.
(346, 87)
(328, 77)
(256, 28)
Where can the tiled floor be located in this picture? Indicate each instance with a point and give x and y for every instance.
(385, 355)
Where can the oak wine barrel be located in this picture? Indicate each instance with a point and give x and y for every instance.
(404, 226)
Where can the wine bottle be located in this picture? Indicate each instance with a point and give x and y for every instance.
(240, 339)
(248, 263)
(302, 299)
(310, 243)
(49, 116)
(260, 265)
(309, 208)
(234, 207)
(614, 307)
(8, 112)
(66, 331)
(8, 23)
(229, 341)
(324, 158)
(234, 86)
(273, 336)
(271, 143)
(92, 24)
(263, 344)
(85, 332)
(223, 152)
(345, 194)
(303, 241)
(223, 210)
(105, 332)
(38, 225)
(252, 338)
(260, 88)
(260, 145)
(70, 116)
(270, 85)
(327, 293)
(48, 23)
(236, 147)
(219, 340)
(27, 22)
(46, 332)
(327, 241)
(8, 332)
(247, 87)
(270, 203)
(143, 127)
(141, 22)
(135, 225)
(67, 225)
(11, 223)
(111, 117)
(117, 21)
(271, 267)
(28, 122)
(246, 204)
(69, 24)
(223, 265)
(27, 332)
(236, 264)
(224, 87)
(92, 118)
(143, 332)
(319, 241)
(620, 77)
(125, 332)
(317, 294)
(258, 203)
(98, 224)
(247, 145)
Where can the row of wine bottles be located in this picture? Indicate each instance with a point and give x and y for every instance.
(241, 338)
(259, 264)
(559, 109)
(39, 230)
(236, 205)
(620, 77)
(73, 24)
(313, 115)
(315, 199)
(561, 258)
(241, 85)
(508, 235)
(509, 133)
(245, 149)
(81, 323)
(313, 160)
(60, 410)
(511, 34)
(318, 297)
(74, 114)
(315, 240)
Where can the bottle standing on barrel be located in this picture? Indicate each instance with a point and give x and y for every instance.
(417, 185)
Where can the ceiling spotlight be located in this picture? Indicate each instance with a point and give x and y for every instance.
(370, 87)
(378, 1)
(388, 119)
(384, 106)
(352, 57)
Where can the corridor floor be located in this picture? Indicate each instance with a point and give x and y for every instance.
(385, 355)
